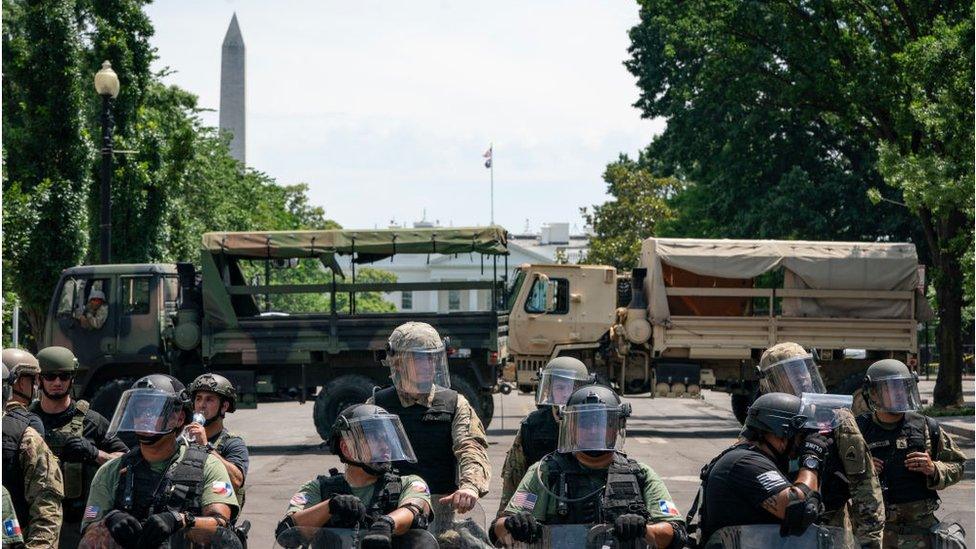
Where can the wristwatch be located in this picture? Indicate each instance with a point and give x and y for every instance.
(812, 463)
(209, 447)
(189, 521)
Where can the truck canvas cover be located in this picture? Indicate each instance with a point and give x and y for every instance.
(806, 264)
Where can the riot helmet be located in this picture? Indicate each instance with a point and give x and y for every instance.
(218, 385)
(889, 386)
(592, 421)
(417, 358)
(789, 368)
(21, 363)
(561, 377)
(373, 437)
(824, 411)
(155, 406)
(776, 413)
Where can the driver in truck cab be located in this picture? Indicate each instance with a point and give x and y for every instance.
(93, 315)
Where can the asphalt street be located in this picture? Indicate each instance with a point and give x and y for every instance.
(674, 436)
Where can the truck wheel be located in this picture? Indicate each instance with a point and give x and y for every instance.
(336, 396)
(465, 388)
(106, 397)
(526, 389)
(740, 406)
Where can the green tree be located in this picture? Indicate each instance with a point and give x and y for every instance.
(792, 111)
(638, 205)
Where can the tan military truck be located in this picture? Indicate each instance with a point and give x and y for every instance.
(702, 311)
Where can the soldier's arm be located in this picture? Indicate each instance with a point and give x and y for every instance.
(315, 516)
(949, 463)
(512, 471)
(777, 503)
(233, 471)
(214, 516)
(867, 502)
(43, 488)
(471, 449)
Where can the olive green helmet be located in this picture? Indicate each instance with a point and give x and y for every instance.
(57, 359)
(557, 381)
(891, 387)
(217, 384)
(20, 363)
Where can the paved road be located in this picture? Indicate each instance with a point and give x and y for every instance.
(674, 436)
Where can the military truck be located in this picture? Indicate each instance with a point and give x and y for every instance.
(277, 314)
(701, 312)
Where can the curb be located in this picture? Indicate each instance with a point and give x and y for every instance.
(959, 430)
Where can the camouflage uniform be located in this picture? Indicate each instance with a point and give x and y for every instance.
(43, 490)
(513, 470)
(907, 524)
(11, 536)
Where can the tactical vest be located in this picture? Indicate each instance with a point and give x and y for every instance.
(384, 500)
(835, 487)
(618, 490)
(77, 476)
(218, 445)
(540, 433)
(898, 484)
(141, 492)
(14, 425)
(429, 431)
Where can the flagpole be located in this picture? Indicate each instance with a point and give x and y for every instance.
(492, 170)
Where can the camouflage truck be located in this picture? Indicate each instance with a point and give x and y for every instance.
(276, 313)
(701, 312)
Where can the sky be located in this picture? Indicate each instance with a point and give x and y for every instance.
(385, 108)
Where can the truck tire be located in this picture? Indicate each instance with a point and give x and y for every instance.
(526, 389)
(484, 409)
(335, 396)
(740, 405)
(107, 396)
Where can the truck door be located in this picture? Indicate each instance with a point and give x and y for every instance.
(89, 343)
(542, 317)
(139, 313)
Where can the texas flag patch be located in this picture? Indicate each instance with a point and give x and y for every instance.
(222, 488)
(667, 507)
(11, 527)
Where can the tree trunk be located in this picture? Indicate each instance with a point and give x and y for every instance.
(948, 289)
(35, 318)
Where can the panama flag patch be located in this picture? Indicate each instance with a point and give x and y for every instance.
(11, 527)
(222, 488)
(667, 507)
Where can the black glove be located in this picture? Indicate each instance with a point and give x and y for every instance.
(125, 529)
(523, 527)
(379, 536)
(159, 527)
(79, 450)
(630, 527)
(346, 511)
(817, 446)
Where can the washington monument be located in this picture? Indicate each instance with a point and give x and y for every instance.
(232, 83)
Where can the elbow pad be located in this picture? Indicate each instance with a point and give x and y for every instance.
(680, 538)
(800, 514)
(286, 524)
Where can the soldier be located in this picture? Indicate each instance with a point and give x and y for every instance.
(451, 444)
(75, 433)
(32, 478)
(159, 488)
(367, 439)
(24, 371)
(850, 485)
(12, 536)
(587, 480)
(93, 315)
(537, 434)
(913, 455)
(746, 484)
(214, 396)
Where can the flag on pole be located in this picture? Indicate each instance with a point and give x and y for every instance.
(487, 156)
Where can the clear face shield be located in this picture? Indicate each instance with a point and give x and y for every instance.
(377, 439)
(146, 411)
(591, 427)
(416, 371)
(824, 411)
(556, 386)
(794, 376)
(895, 394)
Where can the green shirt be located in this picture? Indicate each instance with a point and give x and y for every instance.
(533, 497)
(413, 489)
(217, 487)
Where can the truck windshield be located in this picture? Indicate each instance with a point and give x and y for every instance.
(513, 290)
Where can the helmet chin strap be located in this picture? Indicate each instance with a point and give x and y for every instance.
(375, 469)
(149, 440)
(67, 392)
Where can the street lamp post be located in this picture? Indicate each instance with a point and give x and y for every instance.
(107, 86)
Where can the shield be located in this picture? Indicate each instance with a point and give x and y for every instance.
(301, 537)
(580, 536)
(459, 530)
(768, 537)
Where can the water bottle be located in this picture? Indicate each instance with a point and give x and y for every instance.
(198, 417)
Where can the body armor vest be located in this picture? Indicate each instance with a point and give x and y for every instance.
(14, 425)
(616, 491)
(77, 476)
(218, 445)
(540, 433)
(430, 434)
(835, 487)
(386, 497)
(898, 484)
(141, 492)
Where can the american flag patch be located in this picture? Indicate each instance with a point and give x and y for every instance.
(667, 507)
(11, 527)
(91, 512)
(525, 500)
(222, 488)
(299, 499)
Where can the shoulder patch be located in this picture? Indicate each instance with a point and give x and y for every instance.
(851, 455)
(222, 488)
(418, 487)
(525, 500)
(667, 507)
(299, 499)
(771, 479)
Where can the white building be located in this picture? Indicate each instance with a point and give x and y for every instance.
(554, 241)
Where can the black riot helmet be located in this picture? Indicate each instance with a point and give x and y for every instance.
(777, 414)
(149, 407)
(217, 384)
(592, 421)
(374, 438)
